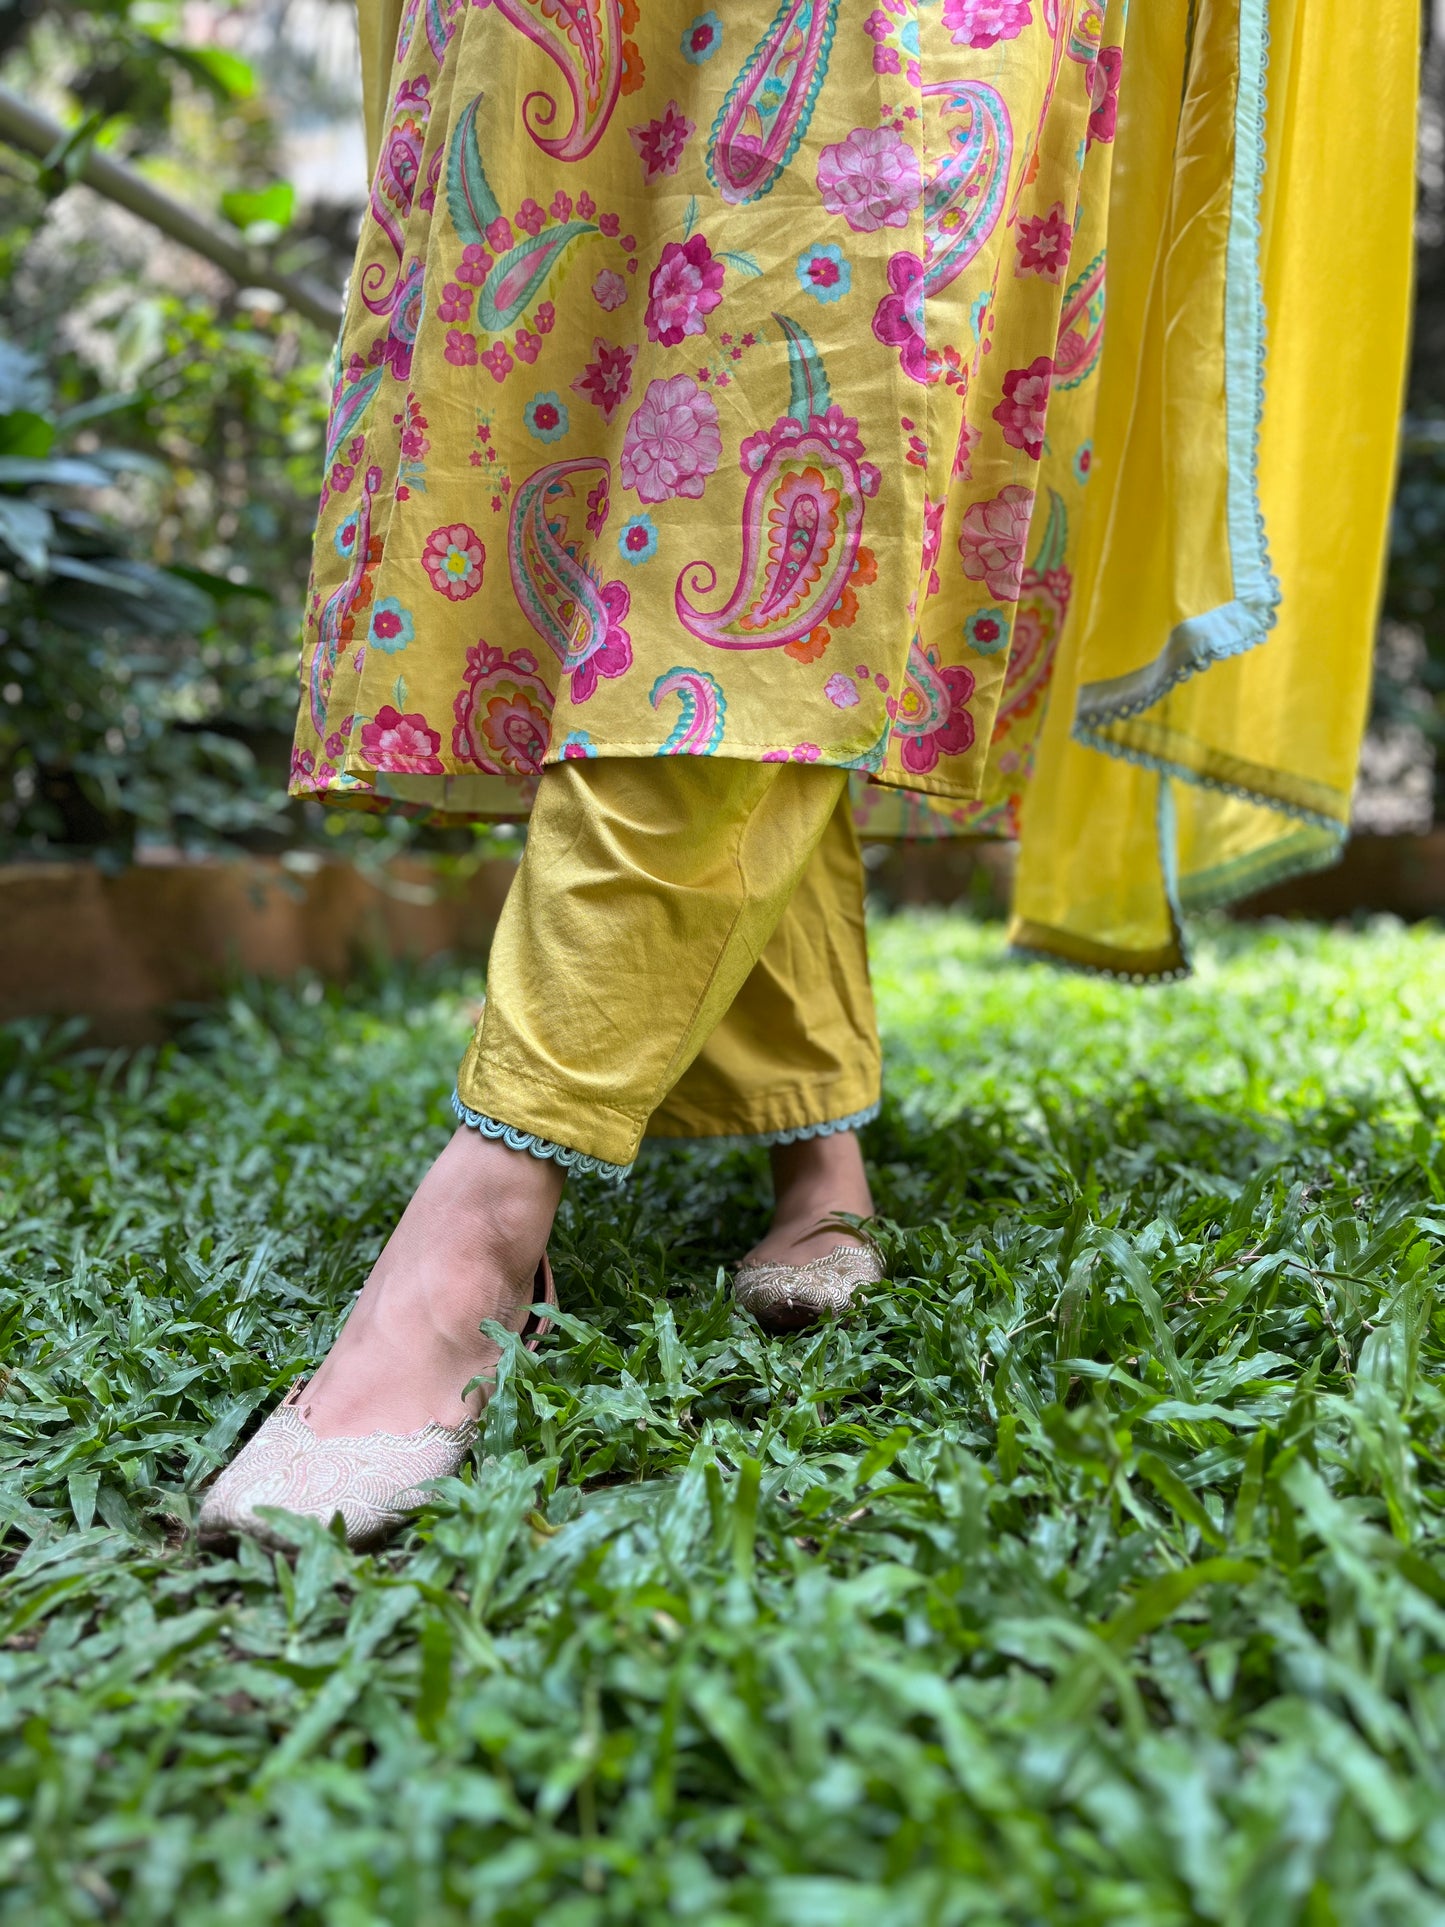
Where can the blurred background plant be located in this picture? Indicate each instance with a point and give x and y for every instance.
(161, 429)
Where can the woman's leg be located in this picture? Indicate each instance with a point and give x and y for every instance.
(796, 1063)
(648, 892)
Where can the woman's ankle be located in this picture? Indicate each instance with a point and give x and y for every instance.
(467, 1249)
(816, 1181)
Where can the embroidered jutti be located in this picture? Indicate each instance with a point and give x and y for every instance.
(881, 387)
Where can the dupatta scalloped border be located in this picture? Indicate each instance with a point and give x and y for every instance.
(1236, 626)
(1243, 623)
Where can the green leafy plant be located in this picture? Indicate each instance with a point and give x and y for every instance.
(1092, 1573)
(101, 650)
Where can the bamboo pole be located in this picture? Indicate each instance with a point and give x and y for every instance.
(35, 133)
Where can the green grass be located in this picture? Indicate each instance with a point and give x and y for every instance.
(1093, 1574)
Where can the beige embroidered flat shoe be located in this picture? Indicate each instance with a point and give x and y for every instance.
(372, 1481)
(787, 1297)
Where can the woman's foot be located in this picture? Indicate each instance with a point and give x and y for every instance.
(814, 1181)
(467, 1248)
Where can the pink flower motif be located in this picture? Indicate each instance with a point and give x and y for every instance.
(341, 478)
(610, 225)
(686, 286)
(546, 318)
(499, 234)
(454, 559)
(609, 290)
(841, 691)
(955, 732)
(898, 321)
(1104, 95)
(461, 350)
(615, 654)
(455, 304)
(886, 60)
(660, 143)
(586, 206)
(497, 362)
(1045, 241)
(969, 438)
(527, 345)
(672, 443)
(983, 23)
(531, 217)
(476, 264)
(402, 744)
(1023, 412)
(872, 179)
(932, 543)
(878, 26)
(992, 541)
(806, 752)
(561, 208)
(606, 380)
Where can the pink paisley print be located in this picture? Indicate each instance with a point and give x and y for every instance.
(1023, 412)
(672, 442)
(516, 731)
(454, 559)
(660, 143)
(983, 23)
(630, 324)
(502, 711)
(685, 288)
(872, 179)
(1045, 242)
(403, 745)
(992, 541)
(400, 163)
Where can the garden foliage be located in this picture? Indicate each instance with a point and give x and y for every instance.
(1092, 1573)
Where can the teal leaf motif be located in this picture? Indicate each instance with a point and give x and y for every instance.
(810, 394)
(470, 200)
(522, 272)
(744, 263)
(350, 407)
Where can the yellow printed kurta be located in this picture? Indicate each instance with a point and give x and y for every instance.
(770, 382)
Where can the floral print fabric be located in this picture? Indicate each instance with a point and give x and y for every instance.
(714, 385)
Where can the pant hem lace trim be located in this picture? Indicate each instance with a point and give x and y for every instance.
(745, 1141)
(537, 1147)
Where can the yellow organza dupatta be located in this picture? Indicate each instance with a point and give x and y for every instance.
(1205, 722)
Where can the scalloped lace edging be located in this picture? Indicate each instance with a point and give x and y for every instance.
(537, 1147)
(830, 1127)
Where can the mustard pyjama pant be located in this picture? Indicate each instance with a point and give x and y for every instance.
(681, 954)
